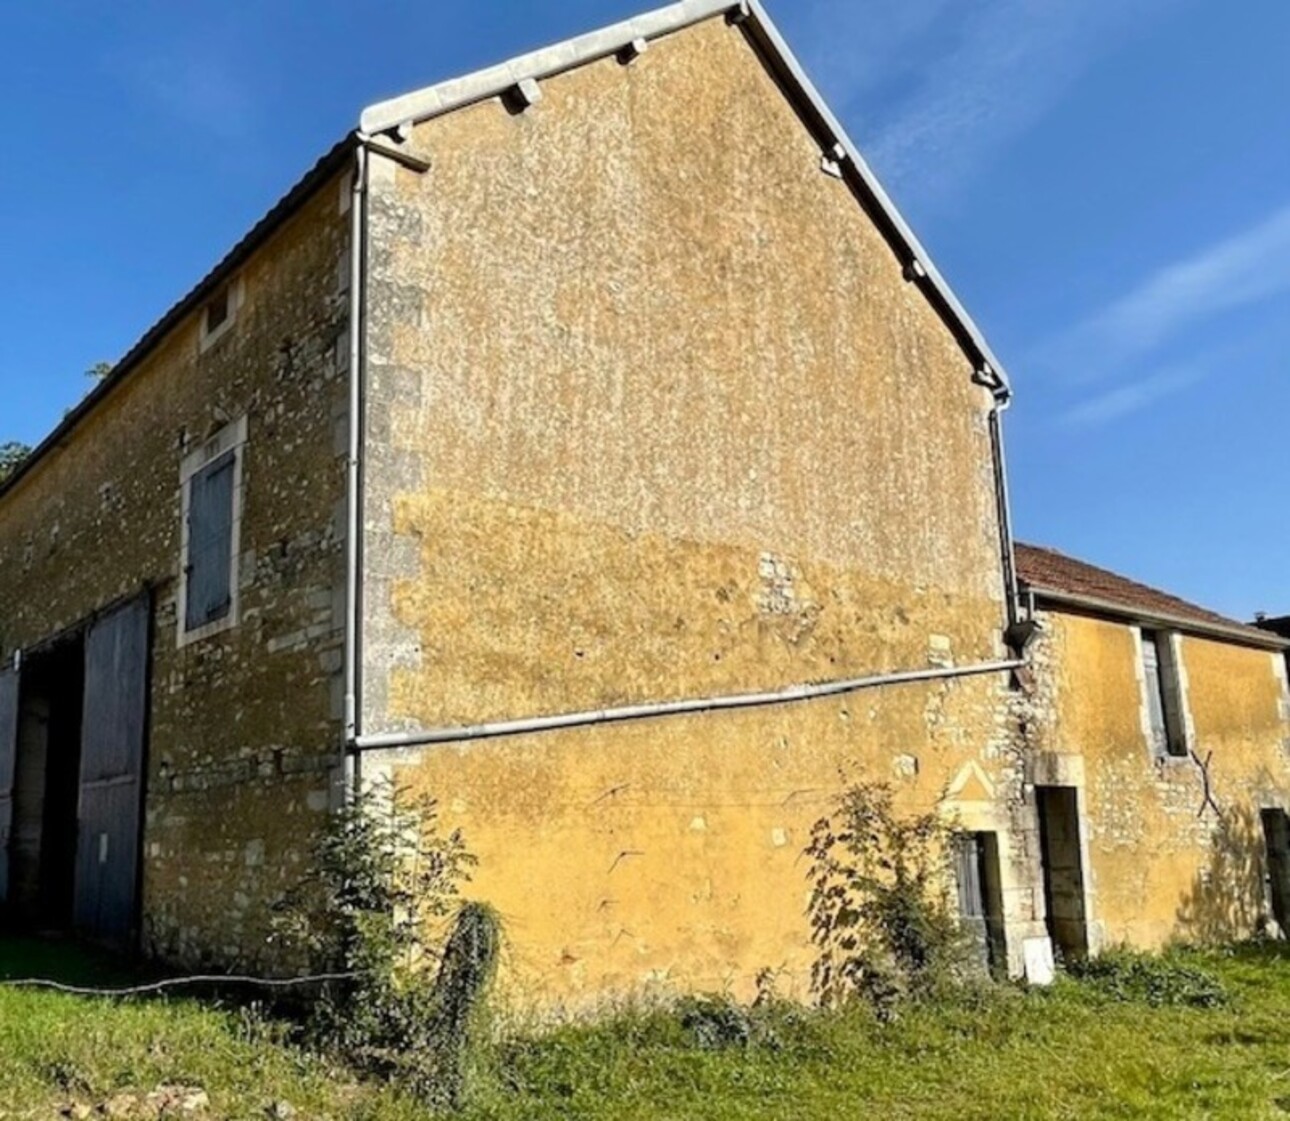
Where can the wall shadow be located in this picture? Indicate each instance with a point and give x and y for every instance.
(1227, 901)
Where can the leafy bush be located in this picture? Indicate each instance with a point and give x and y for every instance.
(880, 912)
(1130, 976)
(382, 879)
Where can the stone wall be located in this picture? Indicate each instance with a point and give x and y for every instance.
(654, 414)
(245, 726)
(1164, 861)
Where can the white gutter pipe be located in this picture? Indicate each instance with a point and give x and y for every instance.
(353, 460)
(797, 693)
(1011, 582)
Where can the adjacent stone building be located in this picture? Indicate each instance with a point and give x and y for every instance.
(1169, 726)
(589, 443)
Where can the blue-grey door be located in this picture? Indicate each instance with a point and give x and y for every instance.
(112, 751)
(8, 760)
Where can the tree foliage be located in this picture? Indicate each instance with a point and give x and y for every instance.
(12, 455)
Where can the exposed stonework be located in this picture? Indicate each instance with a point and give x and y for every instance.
(654, 410)
(244, 733)
(1162, 862)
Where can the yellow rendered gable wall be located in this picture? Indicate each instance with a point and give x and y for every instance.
(653, 414)
(1166, 864)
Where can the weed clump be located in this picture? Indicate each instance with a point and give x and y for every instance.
(383, 880)
(1160, 981)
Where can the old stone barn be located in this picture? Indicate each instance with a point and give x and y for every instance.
(590, 443)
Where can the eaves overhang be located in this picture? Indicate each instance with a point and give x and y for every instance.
(752, 17)
(1093, 606)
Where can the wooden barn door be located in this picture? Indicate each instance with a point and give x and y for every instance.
(8, 761)
(111, 794)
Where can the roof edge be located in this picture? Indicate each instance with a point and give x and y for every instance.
(445, 97)
(924, 271)
(282, 211)
(1092, 605)
(546, 62)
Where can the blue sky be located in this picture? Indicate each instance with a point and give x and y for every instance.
(1106, 183)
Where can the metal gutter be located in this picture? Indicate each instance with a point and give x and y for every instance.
(282, 212)
(834, 138)
(353, 459)
(445, 97)
(797, 693)
(1091, 605)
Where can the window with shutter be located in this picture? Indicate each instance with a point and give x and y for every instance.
(210, 543)
(1168, 725)
(212, 484)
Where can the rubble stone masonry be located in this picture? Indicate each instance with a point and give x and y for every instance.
(245, 726)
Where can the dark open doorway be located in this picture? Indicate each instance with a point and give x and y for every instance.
(73, 730)
(1064, 888)
(1276, 837)
(980, 891)
(46, 784)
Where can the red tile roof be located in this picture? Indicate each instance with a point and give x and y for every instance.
(1048, 570)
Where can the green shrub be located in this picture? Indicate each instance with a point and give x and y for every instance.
(1130, 976)
(716, 1023)
(880, 912)
(382, 880)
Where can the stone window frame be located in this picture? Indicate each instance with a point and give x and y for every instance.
(234, 293)
(1281, 671)
(231, 438)
(1174, 639)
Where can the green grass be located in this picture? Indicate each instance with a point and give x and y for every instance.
(1095, 1050)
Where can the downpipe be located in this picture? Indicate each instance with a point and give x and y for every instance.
(1017, 631)
(353, 462)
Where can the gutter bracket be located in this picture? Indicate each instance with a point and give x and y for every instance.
(633, 51)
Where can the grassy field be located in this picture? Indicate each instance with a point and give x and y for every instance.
(1077, 1051)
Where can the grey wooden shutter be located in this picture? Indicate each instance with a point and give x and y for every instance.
(972, 908)
(210, 543)
(112, 748)
(8, 761)
(1151, 670)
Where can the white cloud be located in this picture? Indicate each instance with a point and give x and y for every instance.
(1125, 341)
(972, 83)
(1237, 272)
(1128, 399)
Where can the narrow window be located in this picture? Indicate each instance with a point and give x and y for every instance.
(1164, 696)
(212, 482)
(210, 544)
(219, 315)
(217, 311)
